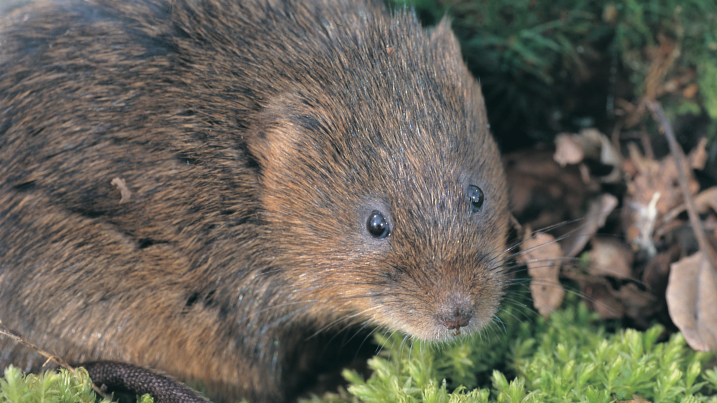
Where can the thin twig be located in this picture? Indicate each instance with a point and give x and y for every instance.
(5, 331)
(680, 163)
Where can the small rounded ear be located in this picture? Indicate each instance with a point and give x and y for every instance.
(272, 133)
(443, 39)
(289, 128)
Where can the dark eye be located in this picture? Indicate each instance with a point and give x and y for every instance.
(377, 225)
(476, 197)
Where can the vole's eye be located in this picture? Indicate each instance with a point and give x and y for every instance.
(476, 197)
(377, 225)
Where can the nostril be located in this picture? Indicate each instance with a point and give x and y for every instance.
(456, 323)
(455, 312)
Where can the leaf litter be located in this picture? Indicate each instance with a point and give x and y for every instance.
(632, 250)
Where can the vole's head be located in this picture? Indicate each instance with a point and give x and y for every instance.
(383, 187)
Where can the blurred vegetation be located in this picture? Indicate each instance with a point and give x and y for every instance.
(559, 65)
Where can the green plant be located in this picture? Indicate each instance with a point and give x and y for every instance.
(566, 358)
(532, 56)
(50, 387)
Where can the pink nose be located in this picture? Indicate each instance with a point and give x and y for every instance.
(455, 312)
(455, 323)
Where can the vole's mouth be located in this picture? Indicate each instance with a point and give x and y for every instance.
(439, 332)
(442, 326)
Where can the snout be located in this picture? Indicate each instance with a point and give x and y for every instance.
(454, 311)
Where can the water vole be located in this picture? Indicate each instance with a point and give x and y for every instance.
(198, 186)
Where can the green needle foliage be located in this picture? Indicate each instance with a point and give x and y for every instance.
(566, 358)
(532, 55)
(50, 387)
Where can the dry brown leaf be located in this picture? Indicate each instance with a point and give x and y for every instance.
(638, 304)
(690, 91)
(602, 298)
(538, 184)
(610, 257)
(594, 220)
(608, 154)
(641, 163)
(659, 178)
(655, 177)
(653, 195)
(609, 303)
(542, 256)
(589, 143)
(124, 190)
(584, 173)
(593, 143)
(692, 300)
(628, 166)
(568, 149)
(698, 156)
(706, 199)
(657, 272)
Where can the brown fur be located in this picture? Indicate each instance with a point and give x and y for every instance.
(255, 138)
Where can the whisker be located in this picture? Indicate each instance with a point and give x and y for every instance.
(569, 262)
(371, 333)
(329, 325)
(544, 230)
(571, 292)
(514, 316)
(540, 231)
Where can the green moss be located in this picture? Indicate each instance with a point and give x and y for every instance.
(566, 358)
(569, 357)
(50, 387)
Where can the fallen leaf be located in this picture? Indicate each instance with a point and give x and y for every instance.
(584, 173)
(543, 194)
(698, 156)
(628, 166)
(690, 91)
(660, 179)
(542, 254)
(594, 220)
(610, 257)
(601, 297)
(657, 272)
(589, 143)
(706, 199)
(654, 177)
(629, 300)
(692, 300)
(568, 149)
(640, 305)
(653, 195)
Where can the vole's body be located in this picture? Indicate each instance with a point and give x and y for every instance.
(255, 138)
